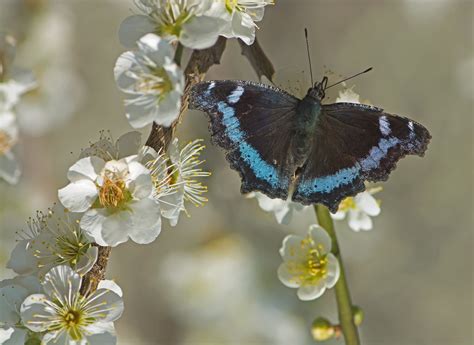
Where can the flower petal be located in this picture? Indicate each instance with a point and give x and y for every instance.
(367, 203)
(133, 28)
(105, 305)
(22, 260)
(201, 32)
(86, 168)
(11, 297)
(359, 220)
(9, 168)
(12, 336)
(110, 285)
(101, 333)
(140, 186)
(61, 281)
(146, 221)
(333, 271)
(292, 248)
(320, 237)
(78, 196)
(310, 292)
(36, 314)
(286, 277)
(129, 144)
(87, 260)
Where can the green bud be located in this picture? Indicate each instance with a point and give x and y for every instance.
(322, 329)
(358, 315)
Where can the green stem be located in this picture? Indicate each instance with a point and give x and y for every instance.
(343, 297)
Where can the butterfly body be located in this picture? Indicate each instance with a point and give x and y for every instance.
(320, 152)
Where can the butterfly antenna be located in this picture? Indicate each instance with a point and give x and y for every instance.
(309, 56)
(343, 80)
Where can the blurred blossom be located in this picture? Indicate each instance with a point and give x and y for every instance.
(52, 239)
(241, 16)
(152, 81)
(116, 199)
(283, 209)
(348, 96)
(308, 264)
(67, 317)
(359, 210)
(60, 90)
(9, 168)
(12, 294)
(191, 22)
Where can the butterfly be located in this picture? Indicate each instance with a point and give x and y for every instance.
(317, 153)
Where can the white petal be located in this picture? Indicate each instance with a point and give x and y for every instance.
(140, 116)
(86, 168)
(101, 333)
(12, 336)
(320, 237)
(168, 109)
(105, 305)
(201, 32)
(35, 313)
(310, 292)
(133, 28)
(339, 215)
(284, 215)
(87, 260)
(78, 196)
(110, 285)
(333, 271)
(292, 248)
(367, 203)
(129, 143)
(146, 221)
(156, 47)
(123, 65)
(9, 168)
(22, 260)
(11, 297)
(243, 27)
(98, 223)
(359, 221)
(286, 277)
(140, 186)
(61, 281)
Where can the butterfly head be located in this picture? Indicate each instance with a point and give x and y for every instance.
(318, 90)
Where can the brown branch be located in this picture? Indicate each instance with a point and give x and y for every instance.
(97, 273)
(258, 59)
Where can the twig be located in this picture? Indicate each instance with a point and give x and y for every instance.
(258, 59)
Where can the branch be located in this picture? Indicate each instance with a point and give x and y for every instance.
(257, 58)
(97, 273)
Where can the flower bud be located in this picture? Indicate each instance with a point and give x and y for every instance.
(358, 315)
(322, 329)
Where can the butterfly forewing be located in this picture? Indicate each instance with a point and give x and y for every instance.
(354, 143)
(254, 123)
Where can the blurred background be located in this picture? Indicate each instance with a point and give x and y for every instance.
(212, 279)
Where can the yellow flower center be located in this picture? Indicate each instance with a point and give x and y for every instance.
(113, 193)
(316, 263)
(72, 321)
(157, 81)
(6, 142)
(347, 204)
(171, 19)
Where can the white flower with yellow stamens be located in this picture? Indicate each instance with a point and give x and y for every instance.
(54, 238)
(241, 16)
(152, 81)
(308, 264)
(191, 22)
(359, 210)
(9, 168)
(116, 197)
(64, 316)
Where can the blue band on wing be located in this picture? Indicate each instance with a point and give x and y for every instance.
(327, 184)
(261, 169)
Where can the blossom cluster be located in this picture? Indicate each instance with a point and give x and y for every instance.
(149, 73)
(118, 190)
(14, 82)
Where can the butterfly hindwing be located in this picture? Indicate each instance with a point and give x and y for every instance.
(254, 123)
(354, 143)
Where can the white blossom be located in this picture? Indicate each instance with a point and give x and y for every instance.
(9, 168)
(191, 22)
(308, 264)
(53, 238)
(283, 209)
(152, 81)
(67, 317)
(241, 16)
(359, 209)
(128, 144)
(116, 197)
(12, 294)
